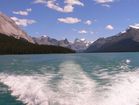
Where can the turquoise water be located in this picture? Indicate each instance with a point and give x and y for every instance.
(70, 79)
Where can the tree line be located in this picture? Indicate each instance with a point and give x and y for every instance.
(11, 45)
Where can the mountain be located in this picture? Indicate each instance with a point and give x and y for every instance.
(127, 41)
(11, 45)
(79, 45)
(64, 43)
(45, 40)
(8, 27)
(13, 40)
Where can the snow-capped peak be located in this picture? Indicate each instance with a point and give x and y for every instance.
(45, 36)
(136, 26)
(82, 39)
(123, 32)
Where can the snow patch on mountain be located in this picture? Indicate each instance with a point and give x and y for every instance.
(136, 26)
(78, 45)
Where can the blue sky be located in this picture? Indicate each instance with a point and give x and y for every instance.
(89, 19)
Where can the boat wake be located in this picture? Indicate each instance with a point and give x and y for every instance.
(72, 86)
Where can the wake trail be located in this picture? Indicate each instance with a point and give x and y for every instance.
(74, 87)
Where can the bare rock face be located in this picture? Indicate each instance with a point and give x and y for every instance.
(127, 41)
(79, 45)
(9, 28)
(45, 40)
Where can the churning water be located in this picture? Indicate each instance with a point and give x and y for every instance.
(70, 79)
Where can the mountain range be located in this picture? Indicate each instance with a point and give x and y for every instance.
(127, 41)
(79, 45)
(9, 28)
(13, 40)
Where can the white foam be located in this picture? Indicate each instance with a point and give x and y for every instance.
(124, 90)
(29, 89)
(75, 88)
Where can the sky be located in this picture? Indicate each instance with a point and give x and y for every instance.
(89, 19)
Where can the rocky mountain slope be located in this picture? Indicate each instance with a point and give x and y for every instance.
(78, 45)
(9, 28)
(11, 45)
(127, 41)
(15, 41)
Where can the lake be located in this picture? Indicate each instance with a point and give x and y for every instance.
(70, 79)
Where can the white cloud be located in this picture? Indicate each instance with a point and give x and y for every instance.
(88, 22)
(82, 32)
(104, 1)
(51, 4)
(40, 1)
(68, 7)
(23, 22)
(109, 27)
(28, 9)
(74, 2)
(69, 20)
(23, 13)
(54, 6)
(106, 5)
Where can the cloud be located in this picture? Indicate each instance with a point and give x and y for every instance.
(54, 6)
(88, 22)
(69, 20)
(103, 1)
(68, 7)
(82, 32)
(28, 9)
(23, 13)
(74, 2)
(109, 27)
(106, 5)
(40, 1)
(23, 22)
